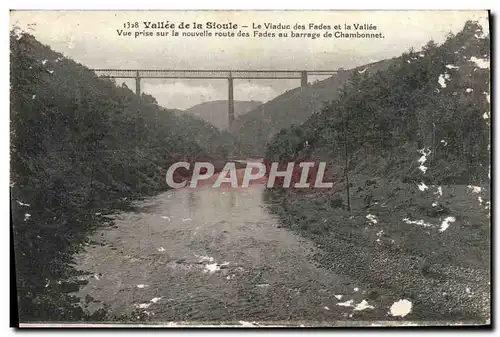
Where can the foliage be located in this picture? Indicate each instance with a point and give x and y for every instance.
(404, 108)
(79, 146)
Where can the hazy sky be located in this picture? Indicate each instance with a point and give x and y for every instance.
(91, 38)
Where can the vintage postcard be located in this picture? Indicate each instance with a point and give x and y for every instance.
(251, 168)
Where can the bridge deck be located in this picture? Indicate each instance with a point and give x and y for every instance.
(213, 74)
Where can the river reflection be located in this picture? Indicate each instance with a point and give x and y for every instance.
(205, 254)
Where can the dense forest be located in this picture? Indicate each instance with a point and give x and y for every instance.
(408, 151)
(80, 146)
(434, 101)
(257, 127)
(83, 147)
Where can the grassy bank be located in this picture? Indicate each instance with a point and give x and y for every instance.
(431, 247)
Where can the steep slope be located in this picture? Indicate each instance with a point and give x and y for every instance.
(215, 112)
(80, 146)
(436, 100)
(256, 128)
(218, 143)
(408, 152)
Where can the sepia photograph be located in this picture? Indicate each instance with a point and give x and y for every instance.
(250, 168)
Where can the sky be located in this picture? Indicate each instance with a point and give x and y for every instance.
(91, 38)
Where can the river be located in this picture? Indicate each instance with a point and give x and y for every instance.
(208, 255)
